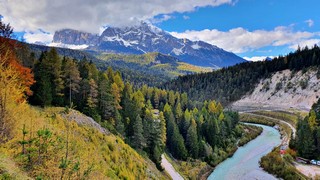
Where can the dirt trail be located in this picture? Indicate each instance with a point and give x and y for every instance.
(170, 169)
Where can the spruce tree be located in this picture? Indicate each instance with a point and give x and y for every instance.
(192, 140)
(107, 107)
(138, 140)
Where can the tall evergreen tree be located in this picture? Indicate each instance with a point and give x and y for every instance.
(138, 140)
(107, 107)
(192, 143)
(55, 67)
(71, 78)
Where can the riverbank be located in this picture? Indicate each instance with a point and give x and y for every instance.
(284, 128)
(244, 164)
(282, 166)
(197, 169)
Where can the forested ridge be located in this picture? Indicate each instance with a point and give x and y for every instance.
(152, 69)
(149, 119)
(230, 84)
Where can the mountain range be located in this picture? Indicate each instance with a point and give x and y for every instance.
(145, 38)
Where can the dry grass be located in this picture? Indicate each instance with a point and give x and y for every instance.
(190, 169)
(188, 67)
(104, 156)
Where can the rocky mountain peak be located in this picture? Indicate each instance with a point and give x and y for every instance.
(144, 38)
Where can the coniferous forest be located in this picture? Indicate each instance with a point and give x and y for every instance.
(230, 84)
(184, 117)
(148, 118)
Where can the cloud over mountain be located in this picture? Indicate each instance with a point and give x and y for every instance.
(240, 40)
(90, 15)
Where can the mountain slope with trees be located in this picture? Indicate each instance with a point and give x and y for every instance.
(230, 84)
(152, 69)
(285, 89)
(38, 139)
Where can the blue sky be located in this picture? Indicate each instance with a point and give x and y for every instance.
(249, 28)
(253, 15)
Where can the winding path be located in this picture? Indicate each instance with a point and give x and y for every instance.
(169, 168)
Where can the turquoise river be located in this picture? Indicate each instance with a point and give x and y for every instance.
(244, 164)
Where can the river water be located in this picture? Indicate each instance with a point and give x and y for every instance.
(244, 164)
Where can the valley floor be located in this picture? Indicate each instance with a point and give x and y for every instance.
(308, 170)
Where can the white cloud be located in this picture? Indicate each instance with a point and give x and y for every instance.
(164, 17)
(257, 58)
(185, 17)
(303, 43)
(38, 36)
(90, 15)
(239, 40)
(310, 22)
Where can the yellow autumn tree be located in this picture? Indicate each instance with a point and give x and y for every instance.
(312, 119)
(12, 92)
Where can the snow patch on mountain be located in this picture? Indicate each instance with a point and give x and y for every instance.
(196, 46)
(145, 38)
(69, 46)
(177, 51)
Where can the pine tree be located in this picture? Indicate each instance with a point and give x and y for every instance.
(119, 124)
(55, 69)
(305, 144)
(107, 105)
(178, 114)
(156, 99)
(312, 119)
(178, 147)
(156, 156)
(138, 140)
(115, 90)
(171, 98)
(71, 78)
(148, 128)
(43, 87)
(192, 140)
(163, 129)
(184, 100)
(92, 101)
(186, 123)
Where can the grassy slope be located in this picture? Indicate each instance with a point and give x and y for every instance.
(104, 156)
(167, 63)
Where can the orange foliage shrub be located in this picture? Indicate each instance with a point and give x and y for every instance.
(7, 54)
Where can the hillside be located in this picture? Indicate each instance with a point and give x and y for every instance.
(96, 153)
(158, 67)
(149, 119)
(155, 63)
(228, 85)
(146, 38)
(285, 89)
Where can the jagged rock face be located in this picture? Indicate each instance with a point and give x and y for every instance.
(146, 38)
(69, 36)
